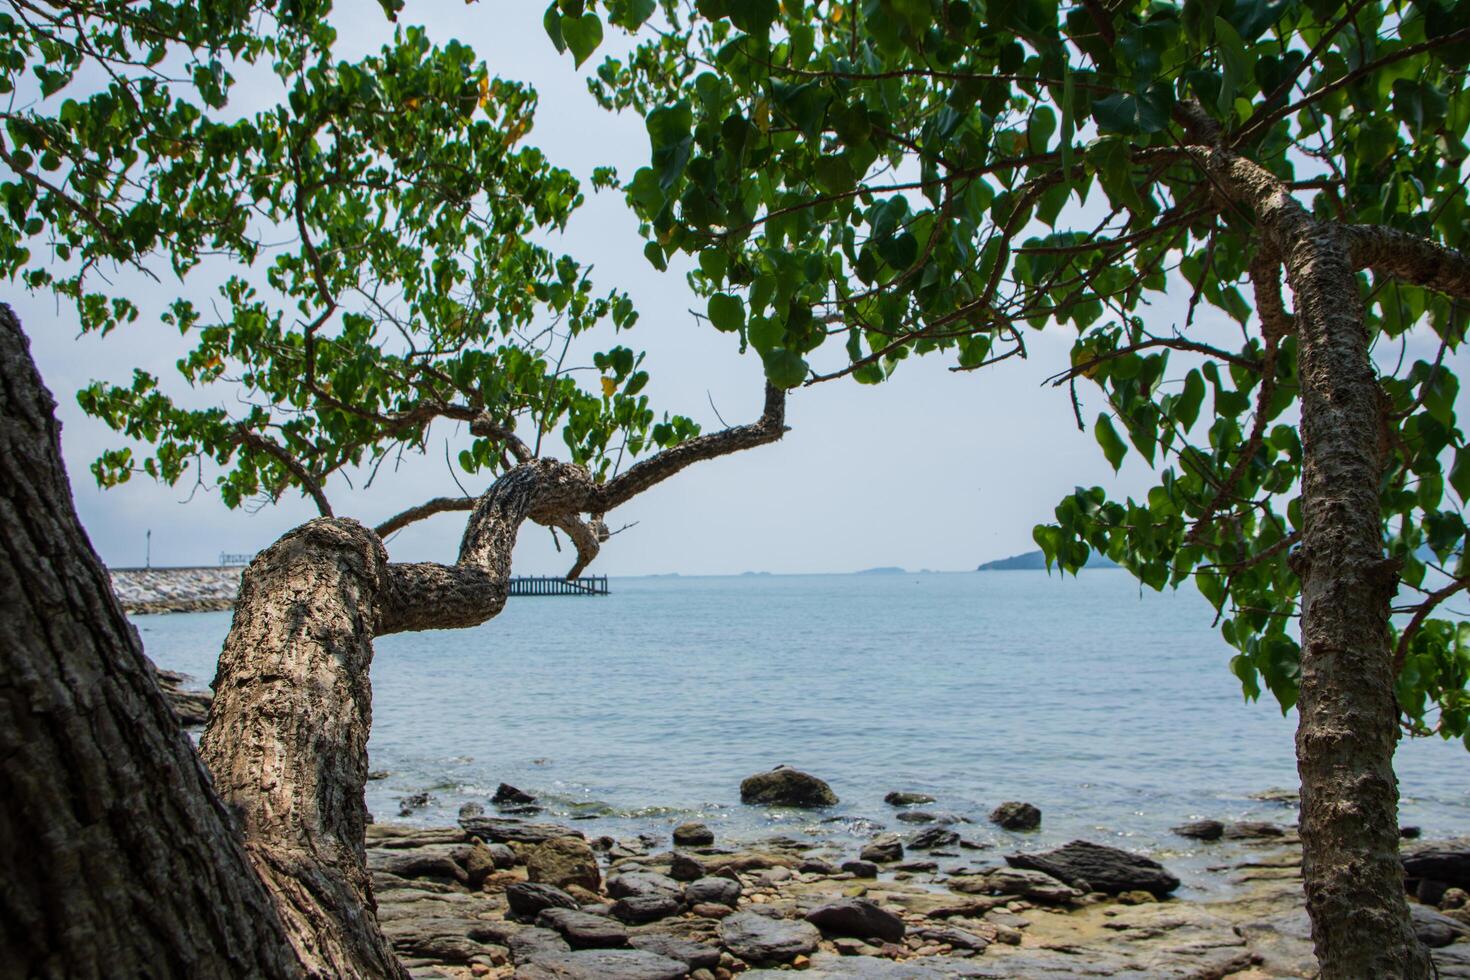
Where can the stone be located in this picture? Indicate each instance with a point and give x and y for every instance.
(1104, 869)
(858, 918)
(697, 956)
(957, 938)
(583, 930)
(723, 891)
(434, 862)
(1453, 898)
(638, 909)
(1038, 886)
(562, 862)
(917, 816)
(899, 798)
(643, 884)
(527, 899)
(818, 866)
(528, 944)
(508, 794)
(1201, 829)
(1139, 897)
(883, 850)
(860, 869)
(1435, 929)
(709, 910)
(685, 867)
(1410, 833)
(783, 786)
(761, 940)
(1252, 829)
(412, 802)
(1015, 815)
(502, 855)
(603, 964)
(693, 835)
(933, 837)
(501, 830)
(471, 810)
(1446, 861)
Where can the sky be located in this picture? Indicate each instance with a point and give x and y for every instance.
(931, 470)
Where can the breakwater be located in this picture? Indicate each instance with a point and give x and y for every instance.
(166, 590)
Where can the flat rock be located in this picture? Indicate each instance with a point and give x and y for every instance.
(1253, 829)
(900, 798)
(786, 787)
(697, 956)
(884, 850)
(1201, 829)
(933, 838)
(528, 899)
(642, 884)
(1104, 869)
(1435, 929)
(723, 891)
(583, 930)
(603, 964)
(534, 942)
(761, 940)
(858, 918)
(562, 862)
(503, 830)
(1445, 861)
(637, 909)
(1038, 886)
(827, 966)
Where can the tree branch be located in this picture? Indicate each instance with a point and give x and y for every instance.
(439, 505)
(1425, 608)
(1410, 258)
(258, 442)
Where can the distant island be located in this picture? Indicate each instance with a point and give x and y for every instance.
(883, 570)
(1033, 560)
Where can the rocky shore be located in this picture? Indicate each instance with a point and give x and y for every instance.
(504, 897)
(167, 590)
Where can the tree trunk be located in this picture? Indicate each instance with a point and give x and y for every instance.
(116, 858)
(1348, 718)
(287, 737)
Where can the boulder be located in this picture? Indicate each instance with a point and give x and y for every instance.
(1038, 886)
(528, 899)
(583, 930)
(1442, 861)
(883, 850)
(723, 891)
(1015, 815)
(532, 942)
(638, 909)
(471, 810)
(697, 956)
(898, 798)
(562, 862)
(643, 884)
(786, 787)
(502, 855)
(857, 917)
(1101, 868)
(761, 940)
(1434, 929)
(933, 837)
(685, 867)
(508, 795)
(603, 964)
(813, 865)
(693, 835)
(860, 869)
(1201, 829)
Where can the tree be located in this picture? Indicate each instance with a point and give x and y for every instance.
(860, 182)
(411, 294)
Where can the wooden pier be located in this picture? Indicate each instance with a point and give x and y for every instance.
(549, 585)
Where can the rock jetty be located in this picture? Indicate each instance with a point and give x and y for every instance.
(167, 590)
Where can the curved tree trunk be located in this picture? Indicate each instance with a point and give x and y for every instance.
(116, 859)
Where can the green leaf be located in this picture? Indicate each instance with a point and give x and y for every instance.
(784, 368)
(582, 35)
(726, 312)
(552, 22)
(1107, 437)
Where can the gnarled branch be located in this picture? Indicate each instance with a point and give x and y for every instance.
(249, 437)
(439, 505)
(1411, 258)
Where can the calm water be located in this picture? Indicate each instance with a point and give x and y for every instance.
(1112, 711)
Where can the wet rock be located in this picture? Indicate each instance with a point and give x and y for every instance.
(506, 794)
(562, 862)
(378, 774)
(697, 956)
(415, 801)
(1278, 794)
(899, 798)
(918, 867)
(1444, 861)
(932, 838)
(583, 930)
(1201, 829)
(813, 865)
(860, 869)
(1016, 815)
(1038, 886)
(723, 891)
(1252, 829)
(858, 918)
(643, 884)
(1410, 833)
(191, 707)
(502, 830)
(917, 816)
(762, 940)
(1435, 929)
(528, 899)
(637, 909)
(884, 850)
(685, 867)
(786, 787)
(1104, 869)
(471, 810)
(603, 964)
(693, 835)
(431, 863)
(503, 857)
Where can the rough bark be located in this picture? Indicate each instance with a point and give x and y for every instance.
(116, 859)
(1347, 727)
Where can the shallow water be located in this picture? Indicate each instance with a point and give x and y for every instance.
(1114, 712)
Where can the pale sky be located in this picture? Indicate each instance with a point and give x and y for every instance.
(930, 470)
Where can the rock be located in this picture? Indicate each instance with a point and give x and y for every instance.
(684, 867)
(1139, 897)
(1453, 898)
(500, 830)
(528, 899)
(502, 855)
(818, 866)
(1201, 829)
(1410, 833)
(1104, 869)
(723, 891)
(1434, 929)
(643, 884)
(583, 930)
(697, 956)
(191, 707)
(786, 787)
(412, 802)
(1252, 829)
(958, 938)
(1445, 861)
(435, 862)
(897, 798)
(471, 810)
(1015, 815)
(1277, 794)
(932, 838)
(709, 910)
(761, 940)
(378, 774)
(1038, 886)
(508, 794)
(637, 909)
(562, 862)
(917, 816)
(918, 867)
(884, 850)
(603, 964)
(693, 835)
(860, 869)
(858, 918)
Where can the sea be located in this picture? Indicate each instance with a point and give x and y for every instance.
(1109, 707)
